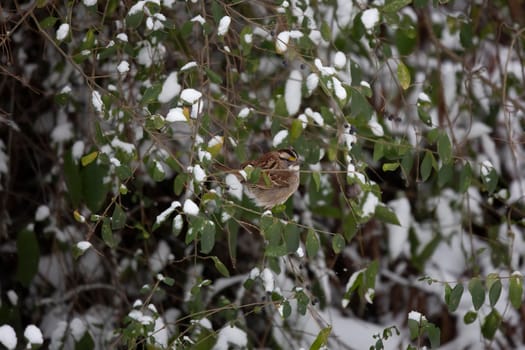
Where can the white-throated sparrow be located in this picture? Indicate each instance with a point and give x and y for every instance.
(279, 177)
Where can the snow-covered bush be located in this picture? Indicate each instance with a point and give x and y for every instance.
(121, 225)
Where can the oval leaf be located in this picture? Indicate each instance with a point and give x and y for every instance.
(403, 75)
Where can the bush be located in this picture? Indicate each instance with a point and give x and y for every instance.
(123, 120)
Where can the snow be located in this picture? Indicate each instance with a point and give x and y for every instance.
(371, 202)
(376, 128)
(248, 38)
(281, 43)
(204, 155)
(339, 60)
(123, 67)
(244, 113)
(188, 66)
(160, 257)
(83, 245)
(170, 88)
(62, 31)
(325, 71)
(148, 55)
(190, 95)
(344, 12)
(486, 167)
(78, 328)
(198, 19)
(167, 212)
(234, 186)
(353, 174)
(370, 18)
(33, 334)
(279, 137)
(340, 91)
(423, 97)
(178, 222)
(398, 234)
(62, 132)
(78, 149)
(155, 22)
(416, 316)
(42, 213)
(139, 316)
(8, 337)
(369, 296)
(312, 81)
(127, 147)
(190, 208)
(268, 280)
(198, 173)
(231, 336)
(89, 2)
(224, 25)
(122, 37)
(365, 84)
(96, 101)
(315, 116)
(12, 296)
(292, 92)
(176, 115)
(215, 140)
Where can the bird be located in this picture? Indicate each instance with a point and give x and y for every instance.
(279, 177)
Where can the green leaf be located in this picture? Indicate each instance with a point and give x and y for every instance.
(48, 22)
(207, 237)
(322, 338)
(27, 257)
(413, 327)
(326, 31)
(85, 343)
(73, 179)
(470, 317)
(445, 174)
(453, 296)
(296, 129)
(465, 178)
(477, 292)
(386, 215)
(179, 183)
(151, 94)
(312, 243)
(424, 116)
(302, 302)
(434, 335)
(316, 177)
(220, 267)
(426, 165)
(403, 75)
(134, 20)
(466, 34)
(94, 190)
(444, 148)
(107, 234)
(390, 166)
(491, 180)
(395, 5)
(123, 172)
(286, 309)
(291, 237)
(494, 292)
(516, 290)
(491, 324)
(213, 76)
(118, 219)
(338, 243)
